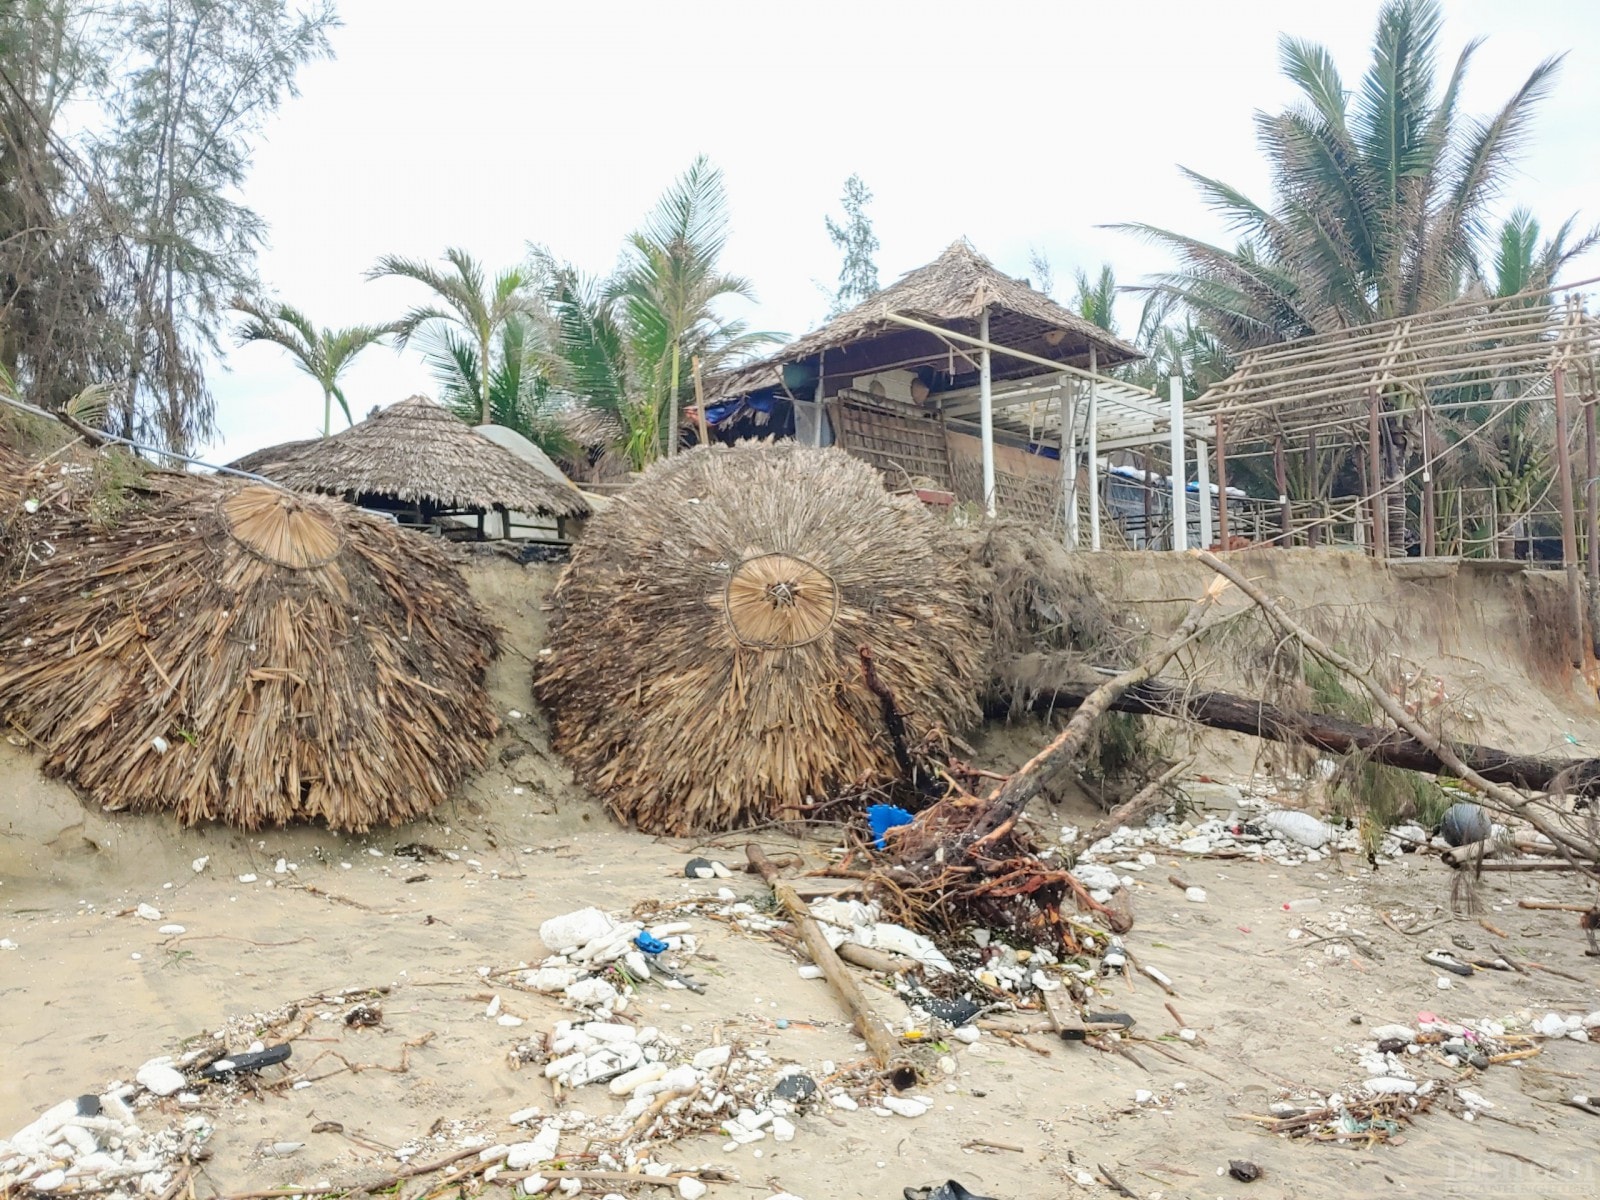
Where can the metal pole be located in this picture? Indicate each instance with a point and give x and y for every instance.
(986, 414)
(1071, 452)
(822, 355)
(1202, 478)
(1180, 501)
(1094, 450)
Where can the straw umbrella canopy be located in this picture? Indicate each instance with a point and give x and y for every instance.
(704, 662)
(239, 653)
(417, 453)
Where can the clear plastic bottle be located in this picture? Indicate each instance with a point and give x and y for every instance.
(1301, 904)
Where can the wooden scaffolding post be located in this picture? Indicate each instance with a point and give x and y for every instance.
(1429, 540)
(1591, 495)
(1280, 473)
(1222, 482)
(1314, 530)
(1569, 521)
(1375, 483)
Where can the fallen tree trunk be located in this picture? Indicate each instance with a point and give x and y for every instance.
(1387, 746)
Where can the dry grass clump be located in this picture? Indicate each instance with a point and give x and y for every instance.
(237, 653)
(704, 664)
(1049, 621)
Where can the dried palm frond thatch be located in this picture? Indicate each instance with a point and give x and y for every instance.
(234, 652)
(418, 453)
(953, 291)
(1050, 619)
(705, 656)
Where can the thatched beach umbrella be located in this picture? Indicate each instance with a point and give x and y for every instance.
(416, 452)
(240, 653)
(704, 661)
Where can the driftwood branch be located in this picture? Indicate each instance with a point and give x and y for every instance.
(1499, 796)
(874, 1031)
(1140, 804)
(1005, 803)
(1383, 745)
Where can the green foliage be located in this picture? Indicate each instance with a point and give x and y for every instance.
(122, 238)
(1380, 194)
(520, 395)
(854, 238)
(322, 353)
(1095, 301)
(625, 345)
(466, 304)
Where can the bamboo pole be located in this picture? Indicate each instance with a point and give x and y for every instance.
(1429, 538)
(1569, 522)
(1180, 469)
(1375, 492)
(874, 1031)
(1591, 496)
(986, 415)
(1280, 474)
(1222, 482)
(700, 401)
(1314, 533)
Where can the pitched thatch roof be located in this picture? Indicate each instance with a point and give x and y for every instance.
(703, 663)
(417, 452)
(952, 291)
(234, 652)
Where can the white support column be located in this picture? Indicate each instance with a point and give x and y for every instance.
(1094, 450)
(1202, 475)
(822, 366)
(1180, 499)
(1069, 458)
(986, 415)
(1064, 455)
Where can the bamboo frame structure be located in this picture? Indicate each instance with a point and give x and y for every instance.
(1382, 389)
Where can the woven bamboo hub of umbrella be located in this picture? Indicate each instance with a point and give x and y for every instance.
(280, 528)
(776, 600)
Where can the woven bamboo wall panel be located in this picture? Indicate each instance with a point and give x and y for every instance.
(901, 442)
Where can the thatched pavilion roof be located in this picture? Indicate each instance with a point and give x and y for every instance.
(952, 291)
(417, 452)
(235, 652)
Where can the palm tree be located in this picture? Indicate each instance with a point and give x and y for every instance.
(670, 283)
(1380, 196)
(324, 354)
(467, 300)
(1380, 202)
(620, 344)
(520, 395)
(1095, 301)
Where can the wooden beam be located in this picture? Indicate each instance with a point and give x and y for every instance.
(1385, 746)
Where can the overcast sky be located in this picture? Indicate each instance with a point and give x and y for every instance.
(488, 124)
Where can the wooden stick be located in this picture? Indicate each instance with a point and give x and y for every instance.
(1006, 802)
(1548, 906)
(884, 1045)
(874, 960)
(699, 400)
(1503, 797)
(1140, 804)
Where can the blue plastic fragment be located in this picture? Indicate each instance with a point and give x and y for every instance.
(650, 945)
(884, 817)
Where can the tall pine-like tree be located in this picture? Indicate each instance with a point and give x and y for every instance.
(858, 275)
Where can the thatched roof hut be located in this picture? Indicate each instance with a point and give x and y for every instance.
(417, 453)
(954, 291)
(235, 652)
(704, 664)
